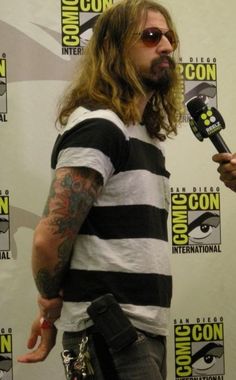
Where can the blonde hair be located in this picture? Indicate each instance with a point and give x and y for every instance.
(106, 77)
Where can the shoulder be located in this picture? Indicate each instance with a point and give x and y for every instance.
(104, 117)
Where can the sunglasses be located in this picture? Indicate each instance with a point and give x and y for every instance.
(152, 36)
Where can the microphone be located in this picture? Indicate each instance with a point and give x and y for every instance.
(207, 122)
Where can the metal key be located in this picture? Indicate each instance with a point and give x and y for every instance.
(82, 365)
(68, 358)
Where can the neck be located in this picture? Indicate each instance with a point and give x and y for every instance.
(143, 102)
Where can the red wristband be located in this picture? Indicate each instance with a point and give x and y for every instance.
(45, 324)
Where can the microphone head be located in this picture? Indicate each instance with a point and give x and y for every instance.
(195, 106)
(206, 121)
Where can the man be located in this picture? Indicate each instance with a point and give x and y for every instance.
(104, 228)
(227, 168)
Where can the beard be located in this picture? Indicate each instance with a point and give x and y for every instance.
(159, 78)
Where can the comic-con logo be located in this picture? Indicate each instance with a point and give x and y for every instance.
(77, 19)
(199, 78)
(4, 226)
(195, 219)
(199, 350)
(6, 355)
(3, 89)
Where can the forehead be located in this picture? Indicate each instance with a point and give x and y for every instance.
(154, 19)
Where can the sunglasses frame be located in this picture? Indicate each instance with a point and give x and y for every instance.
(159, 33)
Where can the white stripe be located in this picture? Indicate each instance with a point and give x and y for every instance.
(136, 187)
(139, 132)
(81, 114)
(154, 319)
(148, 318)
(121, 255)
(86, 157)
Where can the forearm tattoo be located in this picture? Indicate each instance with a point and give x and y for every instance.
(72, 194)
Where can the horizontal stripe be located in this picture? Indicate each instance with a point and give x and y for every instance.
(80, 114)
(145, 156)
(131, 288)
(154, 319)
(124, 156)
(121, 255)
(86, 157)
(134, 221)
(97, 134)
(136, 187)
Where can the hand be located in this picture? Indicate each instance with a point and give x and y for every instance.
(227, 168)
(47, 341)
(50, 309)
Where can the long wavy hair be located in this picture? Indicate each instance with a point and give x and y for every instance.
(106, 78)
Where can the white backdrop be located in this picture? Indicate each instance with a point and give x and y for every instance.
(33, 73)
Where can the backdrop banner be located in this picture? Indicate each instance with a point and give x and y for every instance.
(40, 42)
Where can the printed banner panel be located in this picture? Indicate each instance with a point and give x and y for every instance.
(39, 46)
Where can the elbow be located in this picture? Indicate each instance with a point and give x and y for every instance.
(42, 246)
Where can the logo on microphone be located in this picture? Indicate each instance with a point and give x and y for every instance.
(195, 219)
(77, 22)
(3, 89)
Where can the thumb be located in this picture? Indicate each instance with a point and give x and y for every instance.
(34, 334)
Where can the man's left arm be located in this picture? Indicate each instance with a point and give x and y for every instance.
(72, 194)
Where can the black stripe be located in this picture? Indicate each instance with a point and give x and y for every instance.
(128, 288)
(131, 221)
(106, 137)
(147, 157)
(98, 134)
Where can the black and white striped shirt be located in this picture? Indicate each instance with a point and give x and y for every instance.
(122, 245)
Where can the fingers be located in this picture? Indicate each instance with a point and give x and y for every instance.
(34, 333)
(32, 357)
(47, 342)
(233, 160)
(222, 157)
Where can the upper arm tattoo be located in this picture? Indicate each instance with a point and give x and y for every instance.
(72, 194)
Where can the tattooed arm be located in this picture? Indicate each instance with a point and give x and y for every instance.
(72, 194)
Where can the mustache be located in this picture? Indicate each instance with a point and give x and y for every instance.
(162, 59)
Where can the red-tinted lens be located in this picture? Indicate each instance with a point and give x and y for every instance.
(152, 36)
(171, 38)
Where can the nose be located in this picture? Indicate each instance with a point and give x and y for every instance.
(164, 46)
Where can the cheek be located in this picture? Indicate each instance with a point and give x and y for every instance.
(140, 59)
(137, 53)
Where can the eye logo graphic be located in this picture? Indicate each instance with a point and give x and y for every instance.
(199, 351)
(195, 221)
(3, 89)
(6, 356)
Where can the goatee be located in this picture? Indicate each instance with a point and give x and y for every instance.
(160, 76)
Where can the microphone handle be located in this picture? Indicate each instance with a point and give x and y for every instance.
(219, 143)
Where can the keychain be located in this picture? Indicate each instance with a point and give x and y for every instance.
(78, 367)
